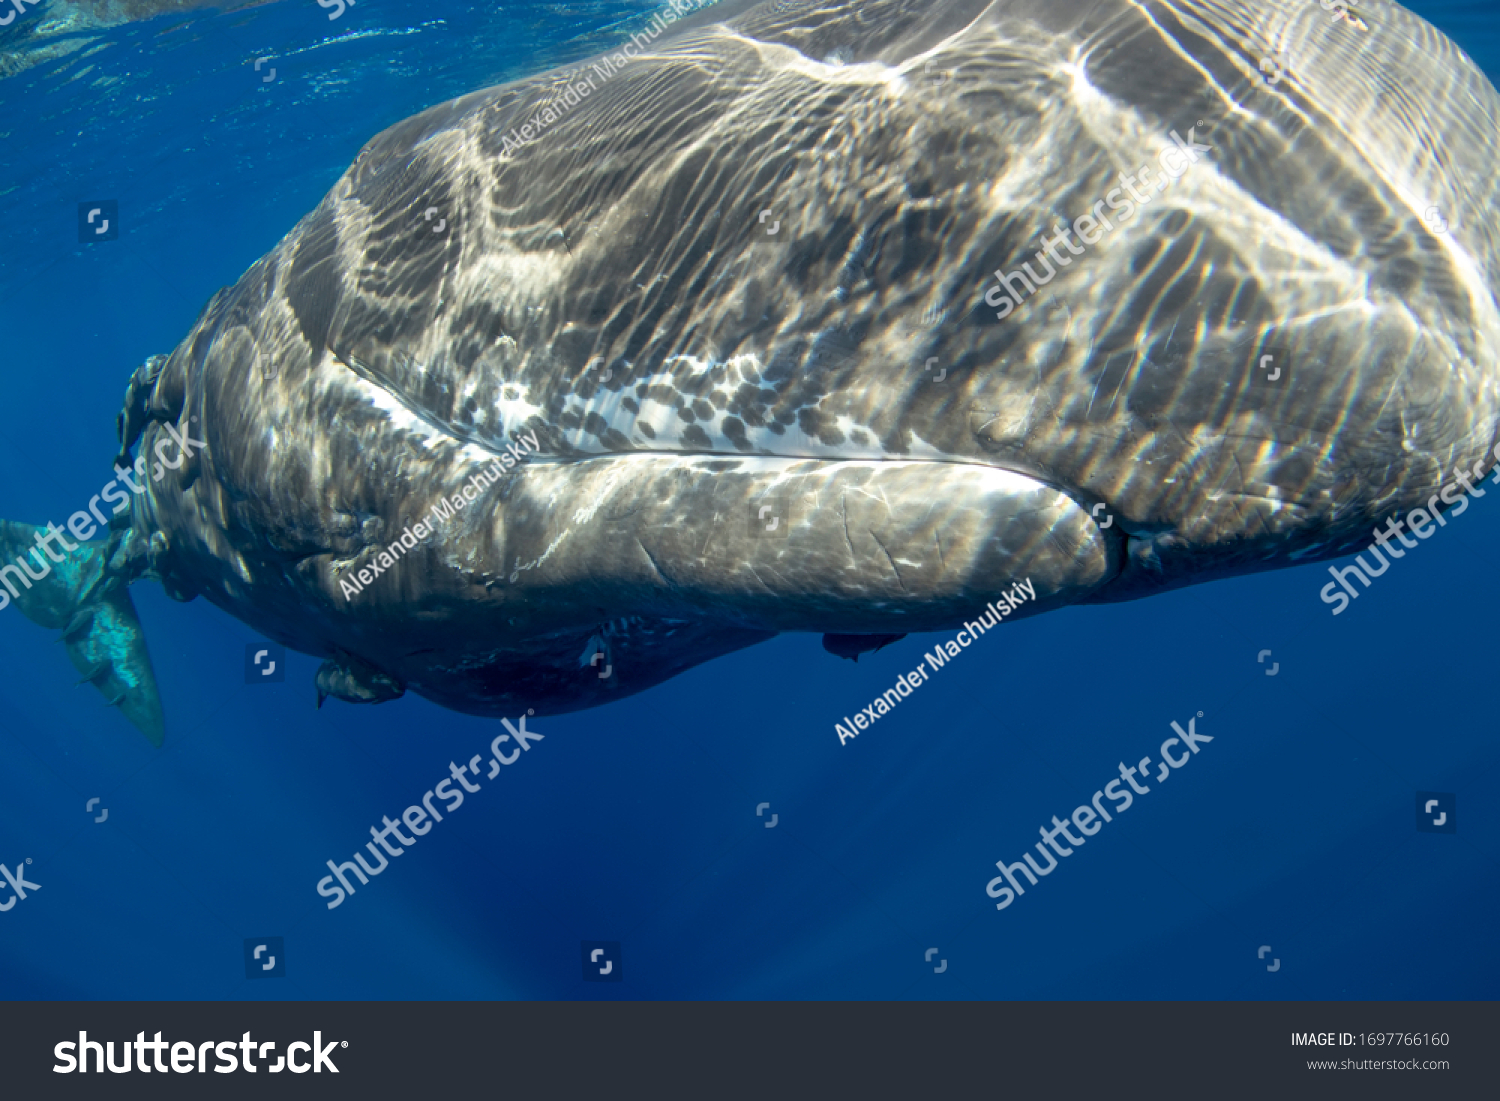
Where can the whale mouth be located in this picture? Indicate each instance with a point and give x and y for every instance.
(793, 544)
(692, 556)
(843, 544)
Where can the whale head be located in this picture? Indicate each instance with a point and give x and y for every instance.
(839, 317)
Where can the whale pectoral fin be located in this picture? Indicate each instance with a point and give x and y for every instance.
(851, 646)
(110, 653)
(349, 679)
(135, 415)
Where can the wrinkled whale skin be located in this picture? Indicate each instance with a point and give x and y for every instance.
(719, 287)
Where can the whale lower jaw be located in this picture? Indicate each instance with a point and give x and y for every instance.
(651, 563)
(774, 544)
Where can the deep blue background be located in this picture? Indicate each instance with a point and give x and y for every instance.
(636, 822)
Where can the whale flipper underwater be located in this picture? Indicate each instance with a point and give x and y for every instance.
(851, 646)
(763, 328)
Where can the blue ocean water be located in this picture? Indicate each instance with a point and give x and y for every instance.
(1289, 840)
